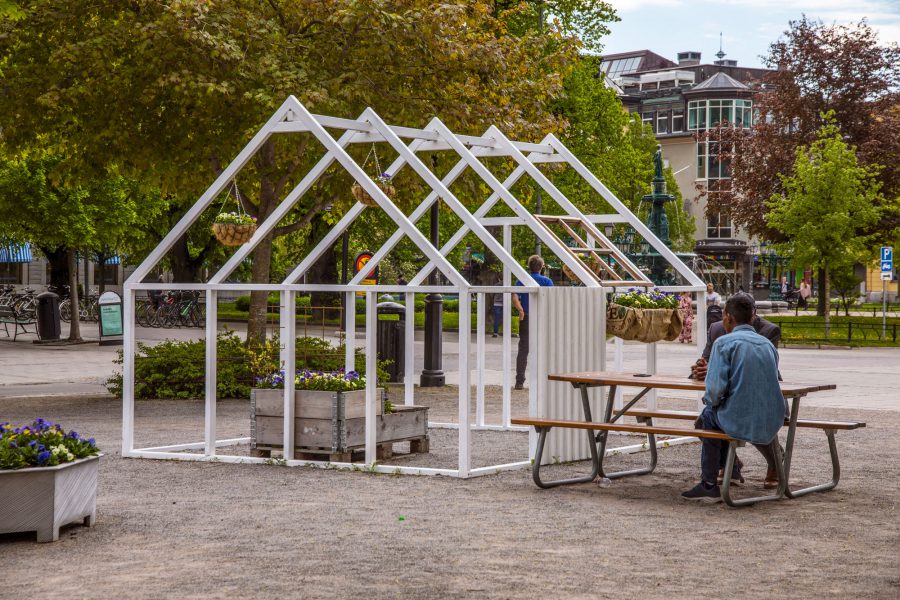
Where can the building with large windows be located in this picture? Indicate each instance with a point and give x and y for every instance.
(679, 101)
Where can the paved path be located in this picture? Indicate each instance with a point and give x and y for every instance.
(866, 377)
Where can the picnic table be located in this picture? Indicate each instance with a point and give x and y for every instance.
(612, 421)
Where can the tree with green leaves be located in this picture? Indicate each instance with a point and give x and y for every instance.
(170, 91)
(102, 218)
(827, 209)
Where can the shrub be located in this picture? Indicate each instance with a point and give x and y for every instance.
(242, 303)
(173, 370)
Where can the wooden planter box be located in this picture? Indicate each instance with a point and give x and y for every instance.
(332, 423)
(43, 499)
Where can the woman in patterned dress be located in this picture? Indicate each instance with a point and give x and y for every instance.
(688, 313)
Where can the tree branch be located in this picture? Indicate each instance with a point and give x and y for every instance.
(308, 217)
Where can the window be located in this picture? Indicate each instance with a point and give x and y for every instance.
(704, 114)
(622, 66)
(662, 122)
(10, 273)
(709, 166)
(649, 118)
(677, 120)
(718, 225)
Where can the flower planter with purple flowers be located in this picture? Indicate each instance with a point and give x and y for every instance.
(48, 479)
(329, 413)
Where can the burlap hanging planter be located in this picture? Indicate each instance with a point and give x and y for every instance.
(233, 234)
(363, 196)
(646, 325)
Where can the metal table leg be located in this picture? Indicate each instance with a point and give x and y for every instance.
(603, 436)
(536, 468)
(835, 472)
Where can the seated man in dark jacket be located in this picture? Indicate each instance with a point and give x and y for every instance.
(768, 330)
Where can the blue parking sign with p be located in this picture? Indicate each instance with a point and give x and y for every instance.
(887, 259)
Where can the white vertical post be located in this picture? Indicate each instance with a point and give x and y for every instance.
(211, 376)
(651, 368)
(618, 365)
(535, 381)
(350, 333)
(701, 335)
(371, 377)
(409, 350)
(479, 359)
(289, 364)
(465, 327)
(507, 333)
(128, 348)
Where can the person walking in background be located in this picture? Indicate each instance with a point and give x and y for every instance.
(497, 313)
(805, 293)
(520, 302)
(687, 313)
(785, 287)
(712, 298)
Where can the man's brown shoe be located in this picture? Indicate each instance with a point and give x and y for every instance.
(736, 476)
(771, 481)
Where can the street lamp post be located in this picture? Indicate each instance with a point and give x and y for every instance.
(657, 221)
(432, 373)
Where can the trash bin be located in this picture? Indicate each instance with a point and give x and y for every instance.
(48, 316)
(390, 339)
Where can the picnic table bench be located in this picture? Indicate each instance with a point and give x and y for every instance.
(645, 426)
(18, 319)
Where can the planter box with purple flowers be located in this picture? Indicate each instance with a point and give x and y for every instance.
(330, 418)
(48, 479)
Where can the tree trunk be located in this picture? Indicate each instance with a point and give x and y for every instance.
(184, 268)
(101, 274)
(262, 254)
(59, 266)
(74, 325)
(821, 308)
(827, 295)
(262, 260)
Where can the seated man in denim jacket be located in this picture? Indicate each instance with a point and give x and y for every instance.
(743, 397)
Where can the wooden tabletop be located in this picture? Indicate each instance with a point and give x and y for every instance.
(672, 382)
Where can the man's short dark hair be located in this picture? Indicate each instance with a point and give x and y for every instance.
(740, 307)
(535, 263)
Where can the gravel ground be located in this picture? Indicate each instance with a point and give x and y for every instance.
(213, 530)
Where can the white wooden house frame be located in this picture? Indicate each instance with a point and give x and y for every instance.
(369, 128)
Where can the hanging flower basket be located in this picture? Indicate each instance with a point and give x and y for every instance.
(361, 195)
(644, 317)
(233, 229)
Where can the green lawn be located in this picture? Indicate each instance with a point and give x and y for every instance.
(845, 331)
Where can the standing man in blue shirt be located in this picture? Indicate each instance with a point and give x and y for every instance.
(743, 397)
(520, 302)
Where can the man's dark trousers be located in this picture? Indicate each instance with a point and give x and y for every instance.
(713, 452)
(522, 356)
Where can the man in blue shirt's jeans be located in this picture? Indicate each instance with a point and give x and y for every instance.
(743, 397)
(520, 301)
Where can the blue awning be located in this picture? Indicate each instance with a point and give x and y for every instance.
(15, 253)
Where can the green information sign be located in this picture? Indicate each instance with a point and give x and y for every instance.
(110, 319)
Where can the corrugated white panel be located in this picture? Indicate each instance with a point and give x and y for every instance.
(571, 326)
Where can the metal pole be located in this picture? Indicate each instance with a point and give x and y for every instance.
(883, 309)
(432, 373)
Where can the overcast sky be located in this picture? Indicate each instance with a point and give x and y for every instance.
(747, 26)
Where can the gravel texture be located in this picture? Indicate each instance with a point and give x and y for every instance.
(214, 530)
